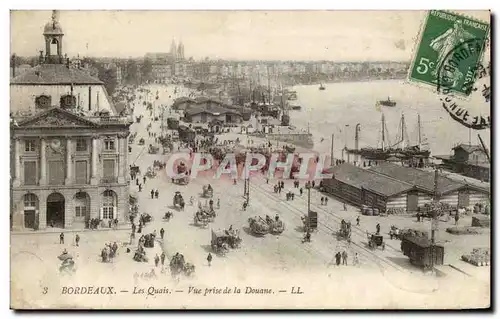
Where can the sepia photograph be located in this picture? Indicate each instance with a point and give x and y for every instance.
(250, 159)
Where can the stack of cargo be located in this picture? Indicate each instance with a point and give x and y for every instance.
(413, 233)
(478, 257)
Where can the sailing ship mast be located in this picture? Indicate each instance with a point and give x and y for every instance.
(403, 140)
(419, 132)
(269, 85)
(383, 132)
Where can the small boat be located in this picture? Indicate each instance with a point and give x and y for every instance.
(387, 102)
(295, 107)
(321, 87)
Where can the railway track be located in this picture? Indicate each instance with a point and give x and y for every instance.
(297, 212)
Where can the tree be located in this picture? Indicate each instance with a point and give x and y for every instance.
(131, 72)
(108, 76)
(147, 69)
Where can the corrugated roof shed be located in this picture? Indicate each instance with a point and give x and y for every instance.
(363, 178)
(417, 177)
(54, 74)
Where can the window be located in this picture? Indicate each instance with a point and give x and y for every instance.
(107, 212)
(81, 145)
(81, 204)
(30, 201)
(108, 167)
(81, 172)
(109, 145)
(108, 204)
(56, 172)
(80, 211)
(43, 101)
(30, 145)
(68, 101)
(30, 174)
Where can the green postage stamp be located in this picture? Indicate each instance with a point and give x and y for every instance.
(449, 52)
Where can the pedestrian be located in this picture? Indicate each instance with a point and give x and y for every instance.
(157, 260)
(162, 256)
(357, 221)
(378, 228)
(211, 203)
(137, 181)
(313, 183)
(338, 258)
(61, 238)
(218, 203)
(209, 259)
(326, 201)
(345, 207)
(77, 240)
(344, 258)
(355, 261)
(157, 193)
(152, 194)
(144, 180)
(418, 217)
(322, 200)
(456, 219)
(162, 233)
(140, 187)
(301, 191)
(279, 190)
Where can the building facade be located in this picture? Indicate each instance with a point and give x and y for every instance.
(68, 158)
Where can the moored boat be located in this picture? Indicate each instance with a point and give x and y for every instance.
(387, 102)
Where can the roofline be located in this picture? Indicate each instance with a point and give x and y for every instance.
(57, 83)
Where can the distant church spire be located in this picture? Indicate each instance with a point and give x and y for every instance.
(173, 50)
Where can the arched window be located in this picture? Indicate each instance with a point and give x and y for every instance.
(68, 101)
(43, 101)
(54, 47)
(109, 203)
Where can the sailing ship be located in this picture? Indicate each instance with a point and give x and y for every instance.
(400, 149)
(387, 102)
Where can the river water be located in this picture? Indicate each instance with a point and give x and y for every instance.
(342, 104)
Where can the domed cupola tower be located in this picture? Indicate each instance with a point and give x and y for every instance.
(53, 34)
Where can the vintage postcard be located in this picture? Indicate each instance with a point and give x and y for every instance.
(250, 159)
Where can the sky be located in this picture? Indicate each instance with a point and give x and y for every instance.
(236, 35)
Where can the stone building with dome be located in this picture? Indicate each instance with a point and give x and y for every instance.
(69, 145)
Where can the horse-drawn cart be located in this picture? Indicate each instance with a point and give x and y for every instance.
(310, 221)
(219, 243)
(178, 201)
(375, 240)
(208, 191)
(153, 149)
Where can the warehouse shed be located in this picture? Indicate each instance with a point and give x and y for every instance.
(396, 189)
(360, 186)
(452, 192)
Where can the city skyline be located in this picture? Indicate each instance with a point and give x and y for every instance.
(237, 35)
